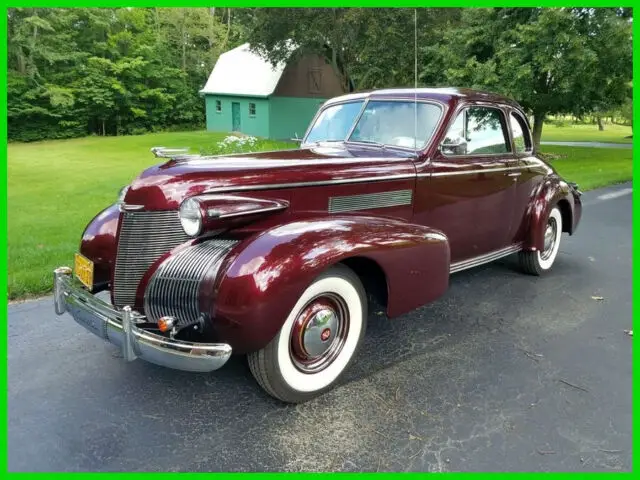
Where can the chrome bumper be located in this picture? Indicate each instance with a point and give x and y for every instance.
(119, 327)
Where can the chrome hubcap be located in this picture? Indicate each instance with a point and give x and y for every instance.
(550, 235)
(319, 333)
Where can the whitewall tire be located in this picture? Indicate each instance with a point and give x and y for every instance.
(317, 341)
(538, 262)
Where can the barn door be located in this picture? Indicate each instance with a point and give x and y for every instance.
(235, 116)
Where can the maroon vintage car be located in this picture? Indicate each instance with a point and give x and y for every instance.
(276, 254)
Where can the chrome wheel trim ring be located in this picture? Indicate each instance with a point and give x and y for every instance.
(319, 333)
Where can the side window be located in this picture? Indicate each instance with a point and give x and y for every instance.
(218, 106)
(252, 109)
(521, 136)
(454, 142)
(477, 131)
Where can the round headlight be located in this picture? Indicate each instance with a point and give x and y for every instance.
(191, 217)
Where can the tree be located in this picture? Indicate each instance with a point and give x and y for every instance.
(73, 72)
(367, 47)
(550, 60)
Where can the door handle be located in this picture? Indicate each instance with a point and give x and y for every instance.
(514, 174)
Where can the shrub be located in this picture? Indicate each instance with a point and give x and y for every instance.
(243, 144)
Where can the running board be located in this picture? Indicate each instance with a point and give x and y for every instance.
(486, 258)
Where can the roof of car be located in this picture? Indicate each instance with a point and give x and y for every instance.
(444, 94)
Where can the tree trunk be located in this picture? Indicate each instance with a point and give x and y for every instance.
(184, 40)
(538, 121)
(600, 124)
(226, 36)
(343, 76)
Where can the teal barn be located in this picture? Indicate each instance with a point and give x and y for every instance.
(245, 93)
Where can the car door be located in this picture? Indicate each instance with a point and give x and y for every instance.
(468, 192)
(529, 175)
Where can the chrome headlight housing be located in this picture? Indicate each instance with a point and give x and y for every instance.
(191, 217)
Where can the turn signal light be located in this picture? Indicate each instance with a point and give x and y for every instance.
(166, 323)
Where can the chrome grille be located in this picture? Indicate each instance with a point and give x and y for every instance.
(144, 237)
(173, 288)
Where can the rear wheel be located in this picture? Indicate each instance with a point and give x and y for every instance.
(317, 341)
(536, 263)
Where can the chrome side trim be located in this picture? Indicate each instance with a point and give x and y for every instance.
(119, 327)
(486, 258)
(173, 288)
(258, 205)
(213, 213)
(469, 172)
(436, 236)
(369, 201)
(318, 183)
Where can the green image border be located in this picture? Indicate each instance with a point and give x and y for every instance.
(49, 322)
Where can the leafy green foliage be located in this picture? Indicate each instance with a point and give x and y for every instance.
(367, 47)
(73, 72)
(550, 60)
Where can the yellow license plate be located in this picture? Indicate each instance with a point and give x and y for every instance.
(84, 270)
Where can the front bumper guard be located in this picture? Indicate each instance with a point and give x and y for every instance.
(119, 327)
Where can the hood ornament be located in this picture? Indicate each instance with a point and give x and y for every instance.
(175, 154)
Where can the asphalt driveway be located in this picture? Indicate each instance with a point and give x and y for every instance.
(507, 372)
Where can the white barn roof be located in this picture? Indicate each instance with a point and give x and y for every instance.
(243, 72)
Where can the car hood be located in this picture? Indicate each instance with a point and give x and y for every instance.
(165, 186)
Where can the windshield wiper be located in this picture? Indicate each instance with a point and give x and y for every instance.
(368, 142)
(318, 142)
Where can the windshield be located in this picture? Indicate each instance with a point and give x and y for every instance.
(401, 124)
(394, 123)
(334, 123)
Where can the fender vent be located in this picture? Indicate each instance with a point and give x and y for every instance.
(173, 288)
(369, 201)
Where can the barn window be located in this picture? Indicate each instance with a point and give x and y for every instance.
(252, 109)
(315, 80)
(218, 106)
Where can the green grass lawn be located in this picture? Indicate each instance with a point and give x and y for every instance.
(591, 167)
(586, 133)
(55, 188)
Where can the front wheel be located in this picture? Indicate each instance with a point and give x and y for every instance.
(317, 341)
(536, 263)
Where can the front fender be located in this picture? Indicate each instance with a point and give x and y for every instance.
(554, 191)
(265, 275)
(98, 244)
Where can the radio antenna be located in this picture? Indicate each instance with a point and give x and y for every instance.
(415, 82)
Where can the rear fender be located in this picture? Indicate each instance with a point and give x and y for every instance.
(264, 276)
(552, 192)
